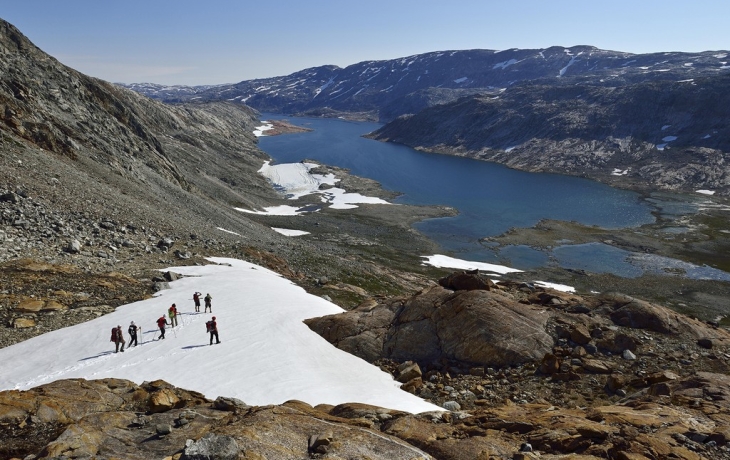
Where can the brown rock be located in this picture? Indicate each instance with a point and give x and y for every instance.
(596, 366)
(30, 305)
(412, 385)
(550, 364)
(21, 323)
(466, 282)
(52, 305)
(163, 401)
(615, 382)
(580, 335)
(408, 371)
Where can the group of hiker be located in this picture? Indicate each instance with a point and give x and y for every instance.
(210, 326)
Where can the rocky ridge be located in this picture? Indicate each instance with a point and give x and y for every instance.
(666, 135)
(383, 90)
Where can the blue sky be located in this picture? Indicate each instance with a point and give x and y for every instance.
(193, 42)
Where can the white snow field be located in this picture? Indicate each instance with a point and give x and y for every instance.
(295, 180)
(267, 355)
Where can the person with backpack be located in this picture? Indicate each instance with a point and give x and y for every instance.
(208, 299)
(132, 329)
(172, 313)
(212, 327)
(118, 338)
(161, 323)
(196, 299)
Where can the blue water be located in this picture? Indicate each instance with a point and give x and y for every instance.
(490, 198)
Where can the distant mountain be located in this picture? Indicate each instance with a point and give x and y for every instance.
(656, 134)
(383, 90)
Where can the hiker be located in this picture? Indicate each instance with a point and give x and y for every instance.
(161, 323)
(212, 327)
(208, 298)
(172, 313)
(196, 299)
(118, 338)
(132, 334)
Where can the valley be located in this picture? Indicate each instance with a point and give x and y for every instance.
(113, 204)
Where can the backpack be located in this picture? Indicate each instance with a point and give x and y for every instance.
(114, 334)
(208, 326)
(132, 330)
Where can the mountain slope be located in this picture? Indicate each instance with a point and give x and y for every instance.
(382, 90)
(671, 135)
(89, 146)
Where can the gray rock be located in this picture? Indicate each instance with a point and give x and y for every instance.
(452, 406)
(163, 429)
(74, 247)
(229, 404)
(211, 447)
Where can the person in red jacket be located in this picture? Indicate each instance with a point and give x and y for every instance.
(196, 299)
(161, 323)
(118, 338)
(212, 327)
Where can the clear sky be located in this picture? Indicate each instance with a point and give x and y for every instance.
(226, 41)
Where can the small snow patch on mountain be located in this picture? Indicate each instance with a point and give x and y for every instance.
(460, 80)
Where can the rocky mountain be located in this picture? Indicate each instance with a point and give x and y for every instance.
(383, 90)
(658, 134)
(101, 187)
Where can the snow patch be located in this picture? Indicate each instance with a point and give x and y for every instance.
(706, 192)
(669, 138)
(706, 136)
(260, 318)
(289, 232)
(460, 80)
(570, 63)
(661, 146)
(284, 210)
(442, 261)
(259, 130)
(665, 127)
(296, 181)
(721, 56)
(505, 64)
(228, 231)
(557, 287)
(620, 172)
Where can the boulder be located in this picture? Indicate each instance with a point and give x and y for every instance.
(466, 282)
(408, 371)
(580, 335)
(211, 446)
(163, 401)
(476, 327)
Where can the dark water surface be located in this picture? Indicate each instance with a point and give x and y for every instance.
(490, 198)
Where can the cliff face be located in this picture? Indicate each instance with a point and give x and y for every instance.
(671, 135)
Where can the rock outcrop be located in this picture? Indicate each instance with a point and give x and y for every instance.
(113, 418)
(441, 326)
